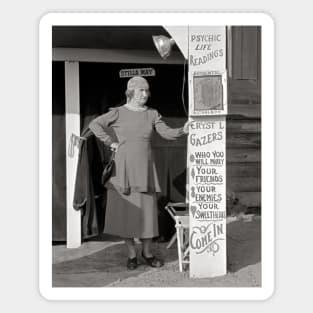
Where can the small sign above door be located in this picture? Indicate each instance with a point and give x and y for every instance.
(137, 72)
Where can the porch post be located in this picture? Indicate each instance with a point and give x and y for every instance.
(207, 151)
(72, 125)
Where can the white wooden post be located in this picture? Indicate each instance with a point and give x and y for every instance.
(72, 121)
(206, 151)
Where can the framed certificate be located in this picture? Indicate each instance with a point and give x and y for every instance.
(209, 93)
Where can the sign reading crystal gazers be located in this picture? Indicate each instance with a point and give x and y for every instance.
(206, 151)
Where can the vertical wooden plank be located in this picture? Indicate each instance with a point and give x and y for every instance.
(249, 52)
(259, 59)
(237, 52)
(229, 51)
(72, 122)
(58, 153)
(206, 156)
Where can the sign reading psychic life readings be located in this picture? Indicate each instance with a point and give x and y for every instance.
(206, 151)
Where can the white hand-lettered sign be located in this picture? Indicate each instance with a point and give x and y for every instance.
(208, 79)
(207, 203)
(206, 151)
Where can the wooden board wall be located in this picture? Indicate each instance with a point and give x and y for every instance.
(243, 135)
(246, 47)
(243, 155)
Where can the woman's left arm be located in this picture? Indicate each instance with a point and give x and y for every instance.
(167, 132)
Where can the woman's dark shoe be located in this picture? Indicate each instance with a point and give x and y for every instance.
(153, 261)
(132, 264)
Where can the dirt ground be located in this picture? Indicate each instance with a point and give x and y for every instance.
(102, 262)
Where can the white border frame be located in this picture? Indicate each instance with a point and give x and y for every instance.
(45, 156)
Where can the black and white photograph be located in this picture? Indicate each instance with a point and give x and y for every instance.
(157, 156)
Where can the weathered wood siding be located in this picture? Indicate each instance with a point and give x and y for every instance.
(246, 52)
(244, 119)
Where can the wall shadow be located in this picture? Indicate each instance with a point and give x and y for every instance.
(243, 243)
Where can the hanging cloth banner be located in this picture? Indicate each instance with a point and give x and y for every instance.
(206, 151)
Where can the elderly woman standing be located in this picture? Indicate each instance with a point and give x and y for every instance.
(131, 199)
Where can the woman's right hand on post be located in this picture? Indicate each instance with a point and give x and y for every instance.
(186, 127)
(114, 146)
